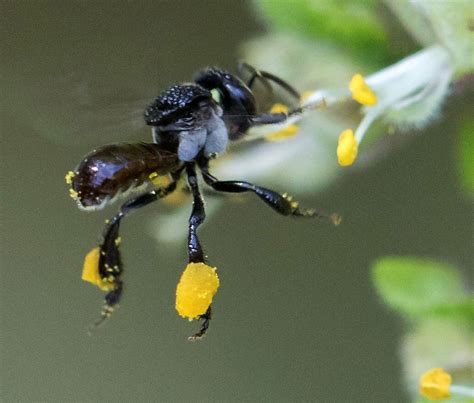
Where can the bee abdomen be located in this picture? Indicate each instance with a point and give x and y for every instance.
(116, 168)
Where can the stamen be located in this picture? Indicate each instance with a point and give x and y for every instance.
(347, 148)
(279, 108)
(434, 384)
(305, 96)
(288, 131)
(361, 92)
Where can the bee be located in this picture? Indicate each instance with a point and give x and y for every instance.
(192, 123)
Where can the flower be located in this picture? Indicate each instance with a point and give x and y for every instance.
(408, 93)
(196, 288)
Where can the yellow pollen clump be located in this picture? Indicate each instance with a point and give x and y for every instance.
(347, 148)
(73, 194)
(196, 288)
(90, 271)
(69, 177)
(435, 383)
(288, 131)
(159, 181)
(361, 92)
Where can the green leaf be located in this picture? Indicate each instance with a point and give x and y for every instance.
(352, 24)
(456, 310)
(466, 155)
(416, 286)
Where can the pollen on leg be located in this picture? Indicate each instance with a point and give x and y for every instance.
(74, 195)
(196, 288)
(160, 181)
(69, 177)
(90, 271)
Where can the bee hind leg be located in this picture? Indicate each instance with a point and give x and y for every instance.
(110, 267)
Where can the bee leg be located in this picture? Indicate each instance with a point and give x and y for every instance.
(205, 325)
(254, 75)
(198, 215)
(110, 266)
(274, 118)
(195, 251)
(281, 203)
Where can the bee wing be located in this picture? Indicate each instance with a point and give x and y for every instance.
(72, 110)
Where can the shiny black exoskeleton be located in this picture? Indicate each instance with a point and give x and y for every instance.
(191, 124)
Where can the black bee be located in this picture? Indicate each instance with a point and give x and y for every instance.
(191, 124)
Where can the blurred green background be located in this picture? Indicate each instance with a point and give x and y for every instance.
(296, 317)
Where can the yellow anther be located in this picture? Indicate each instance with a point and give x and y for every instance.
(69, 177)
(288, 131)
(279, 108)
(90, 271)
(435, 383)
(118, 241)
(305, 95)
(347, 148)
(361, 92)
(73, 194)
(196, 288)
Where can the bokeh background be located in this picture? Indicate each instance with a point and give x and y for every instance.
(296, 318)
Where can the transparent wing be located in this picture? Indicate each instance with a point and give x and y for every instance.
(72, 109)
